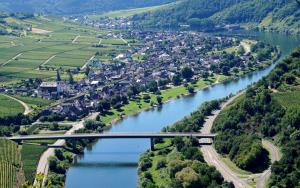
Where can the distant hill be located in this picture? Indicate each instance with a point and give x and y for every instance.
(74, 6)
(282, 15)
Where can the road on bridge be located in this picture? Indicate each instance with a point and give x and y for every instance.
(111, 136)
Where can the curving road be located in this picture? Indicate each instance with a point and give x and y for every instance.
(27, 109)
(212, 157)
(275, 155)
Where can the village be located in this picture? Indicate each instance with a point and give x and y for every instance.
(161, 60)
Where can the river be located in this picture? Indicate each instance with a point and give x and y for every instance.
(113, 163)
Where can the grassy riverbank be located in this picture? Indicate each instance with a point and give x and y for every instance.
(137, 104)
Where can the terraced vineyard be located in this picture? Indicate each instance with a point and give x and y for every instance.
(10, 164)
(52, 44)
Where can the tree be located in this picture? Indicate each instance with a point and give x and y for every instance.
(105, 104)
(54, 127)
(58, 76)
(93, 125)
(205, 75)
(187, 73)
(176, 79)
(190, 89)
(159, 99)
(59, 154)
(71, 79)
(152, 86)
(87, 70)
(162, 82)
(188, 178)
(290, 79)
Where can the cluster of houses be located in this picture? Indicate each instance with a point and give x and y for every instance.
(118, 23)
(161, 55)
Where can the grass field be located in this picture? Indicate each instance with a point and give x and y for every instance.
(30, 158)
(10, 164)
(288, 99)
(9, 107)
(21, 57)
(234, 168)
(34, 102)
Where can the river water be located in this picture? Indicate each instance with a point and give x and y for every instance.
(113, 163)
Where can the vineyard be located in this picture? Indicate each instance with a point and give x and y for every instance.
(10, 164)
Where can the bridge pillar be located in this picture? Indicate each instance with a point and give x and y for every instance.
(152, 144)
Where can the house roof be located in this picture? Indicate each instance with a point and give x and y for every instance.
(48, 84)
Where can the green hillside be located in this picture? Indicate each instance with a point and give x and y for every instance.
(281, 15)
(270, 109)
(130, 12)
(11, 174)
(56, 7)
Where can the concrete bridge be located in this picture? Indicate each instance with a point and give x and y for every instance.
(152, 136)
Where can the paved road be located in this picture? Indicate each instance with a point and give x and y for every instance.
(212, 157)
(125, 42)
(47, 61)
(275, 156)
(27, 109)
(86, 63)
(75, 39)
(12, 59)
(111, 136)
(43, 165)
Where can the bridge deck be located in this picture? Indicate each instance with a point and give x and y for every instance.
(111, 136)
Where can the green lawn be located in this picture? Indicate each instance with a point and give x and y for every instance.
(30, 158)
(9, 107)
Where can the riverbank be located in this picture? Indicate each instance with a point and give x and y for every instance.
(138, 104)
(133, 107)
(43, 165)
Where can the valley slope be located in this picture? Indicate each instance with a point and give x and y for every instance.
(279, 15)
(74, 6)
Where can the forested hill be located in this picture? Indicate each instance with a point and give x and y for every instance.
(271, 110)
(73, 6)
(283, 15)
